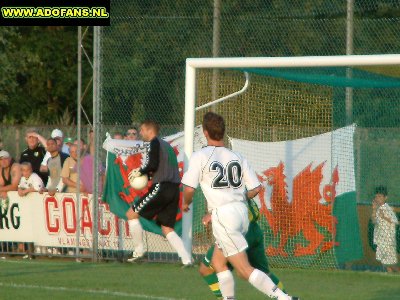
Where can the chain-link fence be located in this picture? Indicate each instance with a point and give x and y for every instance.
(142, 75)
(143, 54)
(144, 51)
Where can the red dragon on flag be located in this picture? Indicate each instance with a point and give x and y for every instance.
(135, 161)
(303, 213)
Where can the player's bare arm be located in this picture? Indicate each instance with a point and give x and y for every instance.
(206, 219)
(254, 192)
(188, 193)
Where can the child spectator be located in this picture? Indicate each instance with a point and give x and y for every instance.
(30, 181)
(385, 221)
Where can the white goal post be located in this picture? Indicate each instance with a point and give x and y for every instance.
(192, 64)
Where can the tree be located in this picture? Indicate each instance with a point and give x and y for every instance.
(40, 77)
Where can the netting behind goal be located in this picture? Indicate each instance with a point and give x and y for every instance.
(319, 152)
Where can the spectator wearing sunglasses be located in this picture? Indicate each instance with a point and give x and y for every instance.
(131, 134)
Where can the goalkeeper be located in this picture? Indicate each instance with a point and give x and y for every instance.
(255, 253)
(162, 199)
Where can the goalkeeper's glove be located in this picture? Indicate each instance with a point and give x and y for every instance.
(134, 173)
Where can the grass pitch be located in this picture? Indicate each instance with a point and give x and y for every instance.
(39, 279)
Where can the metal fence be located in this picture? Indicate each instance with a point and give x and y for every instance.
(142, 54)
(139, 60)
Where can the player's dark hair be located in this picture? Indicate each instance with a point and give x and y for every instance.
(152, 124)
(381, 190)
(215, 126)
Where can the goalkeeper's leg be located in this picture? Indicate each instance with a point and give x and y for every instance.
(136, 231)
(177, 243)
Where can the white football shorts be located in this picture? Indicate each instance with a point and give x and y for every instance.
(230, 223)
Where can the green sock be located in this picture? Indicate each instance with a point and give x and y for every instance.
(276, 280)
(212, 281)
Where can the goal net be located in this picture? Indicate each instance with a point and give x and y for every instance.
(320, 138)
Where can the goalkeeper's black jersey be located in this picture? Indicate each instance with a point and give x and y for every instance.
(160, 162)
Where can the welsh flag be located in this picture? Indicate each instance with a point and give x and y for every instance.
(122, 157)
(308, 197)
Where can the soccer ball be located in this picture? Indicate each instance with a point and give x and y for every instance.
(139, 183)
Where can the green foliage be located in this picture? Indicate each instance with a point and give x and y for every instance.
(10, 62)
(144, 51)
(40, 74)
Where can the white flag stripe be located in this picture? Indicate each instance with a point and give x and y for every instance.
(333, 149)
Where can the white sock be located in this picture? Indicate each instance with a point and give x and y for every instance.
(226, 284)
(177, 244)
(264, 284)
(136, 231)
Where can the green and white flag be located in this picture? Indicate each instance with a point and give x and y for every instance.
(308, 196)
(122, 157)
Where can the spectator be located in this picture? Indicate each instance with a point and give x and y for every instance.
(69, 172)
(10, 174)
(35, 153)
(30, 181)
(1, 144)
(68, 142)
(87, 174)
(58, 136)
(131, 134)
(86, 169)
(54, 165)
(118, 136)
(83, 145)
(385, 221)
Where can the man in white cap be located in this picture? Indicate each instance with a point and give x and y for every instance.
(10, 174)
(56, 134)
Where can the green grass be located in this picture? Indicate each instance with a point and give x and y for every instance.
(39, 279)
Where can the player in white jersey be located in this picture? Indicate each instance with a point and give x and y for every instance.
(224, 177)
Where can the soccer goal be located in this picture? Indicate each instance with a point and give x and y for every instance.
(321, 134)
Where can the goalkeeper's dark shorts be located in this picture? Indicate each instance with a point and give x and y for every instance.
(160, 203)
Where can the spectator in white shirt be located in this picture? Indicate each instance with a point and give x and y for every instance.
(54, 165)
(30, 181)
